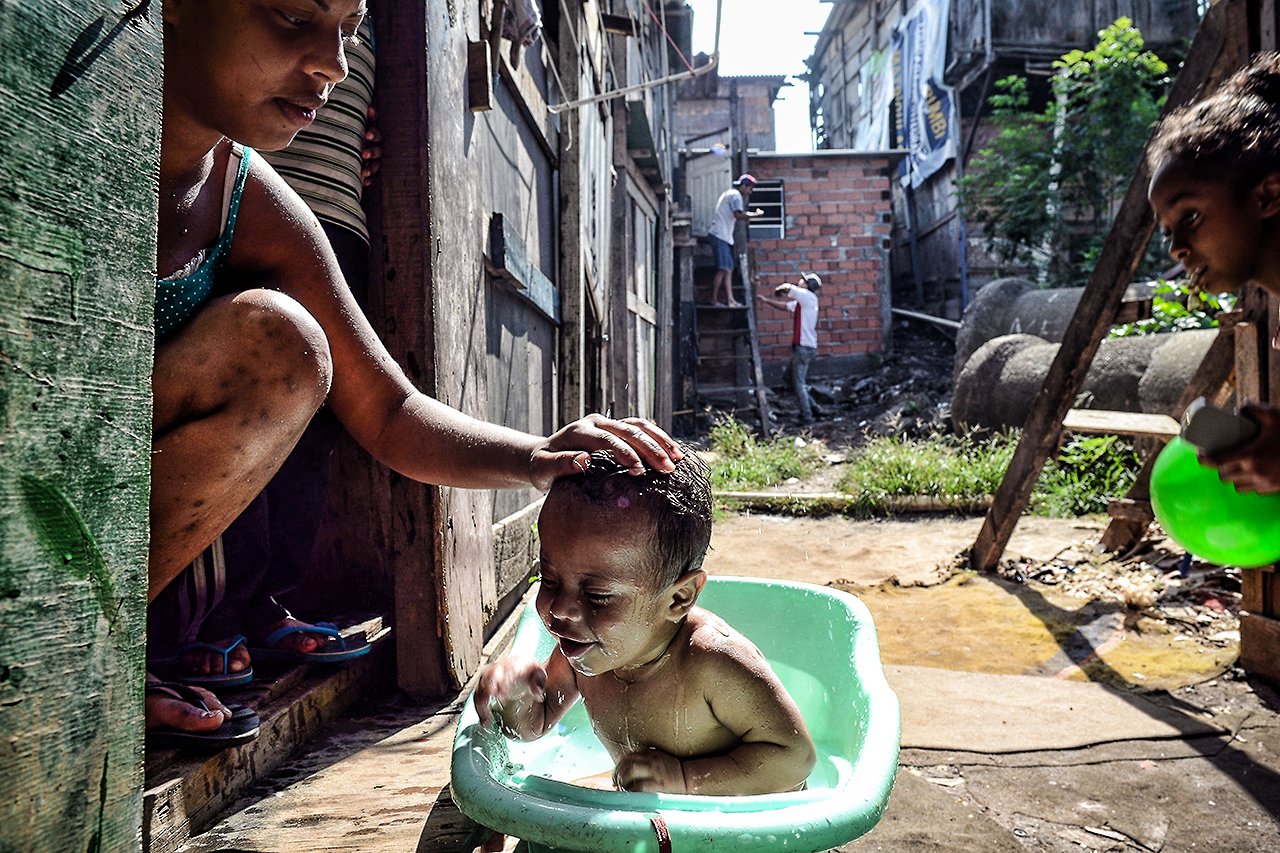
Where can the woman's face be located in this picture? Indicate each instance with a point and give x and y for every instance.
(255, 70)
(1211, 227)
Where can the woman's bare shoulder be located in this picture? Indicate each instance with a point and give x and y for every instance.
(275, 230)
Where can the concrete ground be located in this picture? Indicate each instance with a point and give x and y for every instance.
(1032, 725)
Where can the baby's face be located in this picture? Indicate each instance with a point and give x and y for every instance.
(596, 596)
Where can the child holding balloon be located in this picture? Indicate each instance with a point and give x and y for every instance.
(1215, 189)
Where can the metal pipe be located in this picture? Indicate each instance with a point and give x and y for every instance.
(928, 318)
(556, 109)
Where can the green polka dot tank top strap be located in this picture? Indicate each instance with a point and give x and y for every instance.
(179, 299)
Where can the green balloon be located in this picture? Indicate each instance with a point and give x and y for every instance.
(1207, 516)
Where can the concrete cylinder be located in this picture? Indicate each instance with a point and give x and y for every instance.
(1015, 306)
(996, 387)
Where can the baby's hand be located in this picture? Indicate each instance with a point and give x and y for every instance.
(650, 770)
(506, 681)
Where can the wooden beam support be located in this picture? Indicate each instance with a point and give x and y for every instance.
(1124, 247)
(510, 261)
(1212, 380)
(1121, 423)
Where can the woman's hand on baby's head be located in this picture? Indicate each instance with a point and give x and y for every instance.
(636, 443)
(650, 770)
(506, 681)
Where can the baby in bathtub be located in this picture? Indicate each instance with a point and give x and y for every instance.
(683, 702)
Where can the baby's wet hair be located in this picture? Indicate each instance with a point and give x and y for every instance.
(1234, 133)
(677, 506)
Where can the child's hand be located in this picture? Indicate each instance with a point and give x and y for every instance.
(1255, 467)
(509, 681)
(371, 151)
(650, 770)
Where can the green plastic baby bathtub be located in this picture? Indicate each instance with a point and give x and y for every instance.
(821, 643)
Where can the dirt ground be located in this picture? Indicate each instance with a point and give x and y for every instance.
(1067, 608)
(1152, 626)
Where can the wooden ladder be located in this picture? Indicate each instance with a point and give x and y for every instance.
(728, 366)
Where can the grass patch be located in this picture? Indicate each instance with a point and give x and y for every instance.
(1088, 472)
(744, 463)
(941, 466)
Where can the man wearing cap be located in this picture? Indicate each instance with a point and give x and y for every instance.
(801, 299)
(729, 209)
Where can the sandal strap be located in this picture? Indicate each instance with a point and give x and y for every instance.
(325, 629)
(179, 691)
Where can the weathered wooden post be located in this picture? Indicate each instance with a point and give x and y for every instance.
(79, 158)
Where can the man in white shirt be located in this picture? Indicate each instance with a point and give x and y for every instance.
(801, 299)
(729, 209)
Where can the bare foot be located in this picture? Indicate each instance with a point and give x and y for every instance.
(300, 641)
(167, 710)
(205, 662)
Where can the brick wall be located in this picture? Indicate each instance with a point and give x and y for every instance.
(838, 220)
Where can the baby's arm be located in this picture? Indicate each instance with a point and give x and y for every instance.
(1256, 466)
(775, 752)
(526, 697)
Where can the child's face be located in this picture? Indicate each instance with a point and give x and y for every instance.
(597, 597)
(255, 70)
(1210, 227)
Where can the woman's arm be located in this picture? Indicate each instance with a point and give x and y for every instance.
(279, 242)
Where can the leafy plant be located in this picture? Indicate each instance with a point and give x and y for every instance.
(942, 466)
(1047, 188)
(1174, 308)
(743, 462)
(1089, 472)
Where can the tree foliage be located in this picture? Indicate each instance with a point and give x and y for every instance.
(1047, 188)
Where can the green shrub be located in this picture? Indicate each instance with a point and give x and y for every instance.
(1089, 472)
(1175, 307)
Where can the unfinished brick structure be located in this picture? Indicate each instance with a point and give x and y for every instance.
(838, 219)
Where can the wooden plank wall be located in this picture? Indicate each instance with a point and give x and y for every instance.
(1258, 378)
(1025, 25)
(462, 336)
(574, 311)
(80, 85)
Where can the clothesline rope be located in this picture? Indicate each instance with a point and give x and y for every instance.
(662, 25)
(641, 87)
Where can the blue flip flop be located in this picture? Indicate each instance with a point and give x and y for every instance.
(225, 678)
(336, 648)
